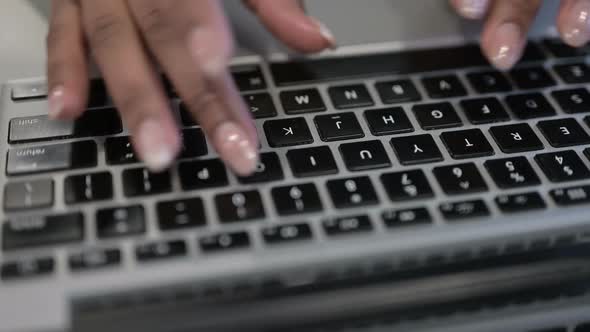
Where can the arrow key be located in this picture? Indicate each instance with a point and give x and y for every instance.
(260, 105)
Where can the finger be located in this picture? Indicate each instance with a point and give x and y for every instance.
(471, 9)
(192, 42)
(288, 21)
(573, 22)
(131, 80)
(504, 36)
(67, 68)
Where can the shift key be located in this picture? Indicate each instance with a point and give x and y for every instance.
(50, 158)
(99, 122)
(33, 231)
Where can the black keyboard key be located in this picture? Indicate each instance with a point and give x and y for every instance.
(316, 161)
(512, 172)
(465, 144)
(573, 73)
(583, 328)
(401, 91)
(34, 231)
(484, 110)
(248, 77)
(261, 105)
(564, 132)
(530, 106)
(347, 225)
(419, 149)
(150, 252)
(40, 128)
(50, 158)
(532, 78)
(406, 217)
(516, 138)
(364, 156)
(573, 100)
(520, 202)
(388, 121)
(353, 192)
(447, 86)
(224, 241)
(437, 116)
(119, 151)
(338, 127)
(297, 199)
(239, 206)
(33, 194)
(561, 50)
(201, 174)
(193, 143)
(25, 269)
(85, 188)
(302, 101)
(268, 169)
(287, 132)
(142, 182)
(187, 118)
(29, 91)
(97, 94)
(571, 196)
(286, 233)
(94, 259)
(563, 166)
(350, 96)
(408, 185)
(179, 214)
(121, 221)
(464, 210)
(460, 179)
(489, 82)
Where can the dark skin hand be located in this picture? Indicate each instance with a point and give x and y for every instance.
(191, 42)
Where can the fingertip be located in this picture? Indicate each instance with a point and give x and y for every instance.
(574, 23)
(471, 9)
(503, 45)
(158, 143)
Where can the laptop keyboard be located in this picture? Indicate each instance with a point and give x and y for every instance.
(446, 127)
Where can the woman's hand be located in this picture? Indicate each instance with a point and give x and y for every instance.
(507, 22)
(191, 42)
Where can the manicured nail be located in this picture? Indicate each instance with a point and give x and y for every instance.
(55, 102)
(326, 33)
(576, 30)
(236, 149)
(506, 46)
(153, 146)
(473, 9)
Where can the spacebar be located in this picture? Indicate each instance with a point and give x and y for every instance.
(415, 61)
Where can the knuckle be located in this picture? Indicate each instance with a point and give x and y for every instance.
(104, 30)
(201, 101)
(155, 20)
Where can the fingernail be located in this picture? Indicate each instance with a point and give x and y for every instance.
(326, 33)
(235, 148)
(473, 9)
(154, 149)
(55, 102)
(576, 31)
(506, 46)
(211, 54)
